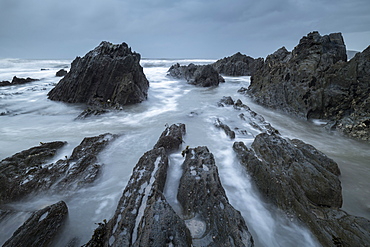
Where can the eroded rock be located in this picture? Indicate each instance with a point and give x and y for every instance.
(304, 183)
(41, 228)
(207, 212)
(109, 76)
(237, 65)
(200, 75)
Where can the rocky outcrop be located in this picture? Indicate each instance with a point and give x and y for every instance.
(171, 137)
(207, 212)
(29, 172)
(237, 65)
(316, 81)
(255, 120)
(199, 75)
(144, 217)
(41, 228)
(346, 96)
(17, 81)
(304, 183)
(109, 76)
(61, 73)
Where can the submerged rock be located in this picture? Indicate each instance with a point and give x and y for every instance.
(41, 228)
(17, 81)
(207, 212)
(109, 76)
(29, 172)
(315, 81)
(200, 75)
(237, 65)
(304, 183)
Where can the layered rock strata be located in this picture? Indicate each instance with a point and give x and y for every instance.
(144, 217)
(41, 228)
(109, 76)
(316, 81)
(206, 210)
(199, 75)
(304, 183)
(29, 172)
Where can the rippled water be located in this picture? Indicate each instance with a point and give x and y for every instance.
(29, 117)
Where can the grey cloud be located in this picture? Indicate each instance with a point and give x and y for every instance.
(167, 28)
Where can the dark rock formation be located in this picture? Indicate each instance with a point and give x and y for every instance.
(61, 73)
(237, 65)
(304, 183)
(28, 172)
(316, 81)
(207, 212)
(144, 217)
(17, 81)
(346, 96)
(200, 75)
(41, 228)
(228, 131)
(171, 137)
(109, 76)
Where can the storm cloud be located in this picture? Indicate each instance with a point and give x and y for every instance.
(175, 29)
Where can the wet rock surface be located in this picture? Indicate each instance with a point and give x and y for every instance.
(171, 137)
(316, 81)
(207, 212)
(144, 217)
(17, 81)
(29, 172)
(304, 183)
(107, 77)
(237, 65)
(199, 75)
(41, 228)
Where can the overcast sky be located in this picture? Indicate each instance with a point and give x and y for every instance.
(64, 29)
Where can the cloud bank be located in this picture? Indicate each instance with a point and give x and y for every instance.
(175, 29)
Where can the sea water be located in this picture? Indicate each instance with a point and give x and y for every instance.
(28, 118)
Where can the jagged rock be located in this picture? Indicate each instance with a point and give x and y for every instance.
(346, 96)
(171, 137)
(304, 183)
(316, 81)
(143, 216)
(28, 172)
(109, 76)
(41, 228)
(225, 101)
(200, 75)
(228, 131)
(300, 72)
(17, 81)
(207, 212)
(61, 73)
(237, 65)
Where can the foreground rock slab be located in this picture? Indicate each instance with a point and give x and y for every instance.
(144, 217)
(28, 172)
(304, 183)
(109, 76)
(206, 210)
(41, 228)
